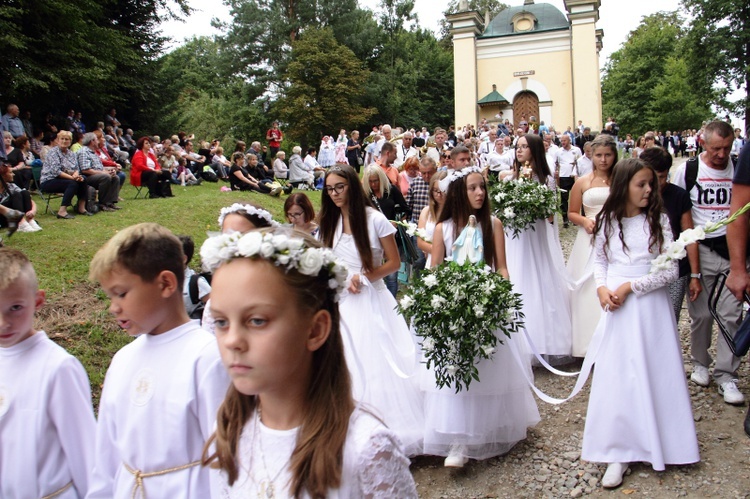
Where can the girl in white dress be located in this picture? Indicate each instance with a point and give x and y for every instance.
(639, 407)
(327, 152)
(380, 350)
(537, 267)
(429, 215)
(288, 426)
(493, 415)
(589, 192)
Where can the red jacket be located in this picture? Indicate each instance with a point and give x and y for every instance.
(138, 165)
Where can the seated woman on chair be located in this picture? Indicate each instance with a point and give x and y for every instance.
(147, 171)
(60, 175)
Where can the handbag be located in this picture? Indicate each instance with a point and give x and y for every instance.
(739, 344)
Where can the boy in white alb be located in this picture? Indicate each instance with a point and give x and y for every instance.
(162, 391)
(46, 420)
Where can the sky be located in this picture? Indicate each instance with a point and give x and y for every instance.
(616, 17)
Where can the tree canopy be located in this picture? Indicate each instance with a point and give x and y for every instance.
(720, 37)
(647, 83)
(87, 54)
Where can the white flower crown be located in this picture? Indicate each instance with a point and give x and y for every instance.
(283, 250)
(252, 210)
(455, 175)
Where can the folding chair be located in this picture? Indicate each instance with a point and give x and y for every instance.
(46, 196)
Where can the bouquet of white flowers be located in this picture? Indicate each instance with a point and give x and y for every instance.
(413, 230)
(518, 203)
(459, 311)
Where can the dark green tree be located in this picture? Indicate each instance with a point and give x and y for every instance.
(259, 38)
(494, 7)
(640, 81)
(324, 88)
(720, 35)
(86, 54)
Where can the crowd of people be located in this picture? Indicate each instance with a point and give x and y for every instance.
(303, 379)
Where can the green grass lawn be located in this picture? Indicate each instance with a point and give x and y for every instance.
(76, 314)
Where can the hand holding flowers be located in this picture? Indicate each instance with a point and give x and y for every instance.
(459, 311)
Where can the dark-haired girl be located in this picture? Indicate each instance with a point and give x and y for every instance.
(536, 264)
(380, 350)
(493, 415)
(639, 407)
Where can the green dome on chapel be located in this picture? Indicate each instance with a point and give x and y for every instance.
(547, 18)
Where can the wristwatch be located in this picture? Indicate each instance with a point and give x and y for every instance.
(696, 276)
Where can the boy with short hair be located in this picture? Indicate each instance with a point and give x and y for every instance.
(161, 393)
(46, 420)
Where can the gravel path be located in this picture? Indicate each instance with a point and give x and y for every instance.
(548, 464)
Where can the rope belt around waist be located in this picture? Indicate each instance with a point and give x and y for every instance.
(138, 475)
(59, 491)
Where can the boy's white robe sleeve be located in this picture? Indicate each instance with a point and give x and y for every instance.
(106, 461)
(76, 425)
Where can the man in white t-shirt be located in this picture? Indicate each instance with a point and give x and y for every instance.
(710, 191)
(498, 161)
(567, 171)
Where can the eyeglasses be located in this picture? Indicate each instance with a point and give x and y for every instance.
(295, 215)
(338, 188)
(437, 191)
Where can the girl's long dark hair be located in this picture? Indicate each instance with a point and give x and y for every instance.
(615, 205)
(357, 206)
(317, 460)
(458, 207)
(539, 166)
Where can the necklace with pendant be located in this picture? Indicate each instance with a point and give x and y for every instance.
(266, 487)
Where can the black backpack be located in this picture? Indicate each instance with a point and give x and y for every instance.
(193, 293)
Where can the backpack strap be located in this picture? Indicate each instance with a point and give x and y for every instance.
(691, 173)
(193, 288)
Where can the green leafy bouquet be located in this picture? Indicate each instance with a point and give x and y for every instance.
(459, 311)
(518, 203)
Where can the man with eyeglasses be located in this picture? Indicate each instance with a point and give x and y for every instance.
(405, 149)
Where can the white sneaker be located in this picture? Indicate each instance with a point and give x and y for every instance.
(276, 191)
(35, 225)
(25, 227)
(731, 394)
(456, 457)
(700, 376)
(613, 476)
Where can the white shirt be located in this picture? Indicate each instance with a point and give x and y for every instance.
(585, 165)
(312, 162)
(47, 424)
(373, 466)
(498, 162)
(567, 159)
(204, 288)
(710, 195)
(157, 410)
(403, 153)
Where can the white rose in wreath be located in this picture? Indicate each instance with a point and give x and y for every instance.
(310, 262)
(249, 244)
(430, 281)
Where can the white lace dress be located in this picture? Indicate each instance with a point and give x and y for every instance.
(374, 465)
(639, 407)
(380, 350)
(493, 414)
(537, 270)
(584, 302)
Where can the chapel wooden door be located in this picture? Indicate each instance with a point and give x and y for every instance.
(525, 105)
